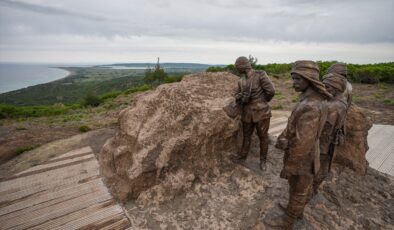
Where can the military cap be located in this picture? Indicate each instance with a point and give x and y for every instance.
(310, 71)
(338, 68)
(243, 63)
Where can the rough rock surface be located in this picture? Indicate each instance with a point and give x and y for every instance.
(352, 153)
(172, 137)
(171, 156)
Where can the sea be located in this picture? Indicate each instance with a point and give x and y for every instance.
(15, 76)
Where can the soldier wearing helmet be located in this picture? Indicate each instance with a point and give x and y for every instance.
(253, 93)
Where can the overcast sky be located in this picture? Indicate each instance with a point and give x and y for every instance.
(201, 31)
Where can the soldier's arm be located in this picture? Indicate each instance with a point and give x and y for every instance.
(306, 130)
(268, 87)
(237, 90)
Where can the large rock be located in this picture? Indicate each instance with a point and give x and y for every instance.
(352, 153)
(170, 138)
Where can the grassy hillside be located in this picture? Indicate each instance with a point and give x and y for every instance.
(96, 80)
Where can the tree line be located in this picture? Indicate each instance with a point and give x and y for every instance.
(367, 73)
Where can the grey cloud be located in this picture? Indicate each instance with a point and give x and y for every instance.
(48, 10)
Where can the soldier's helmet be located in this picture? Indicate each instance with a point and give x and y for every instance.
(310, 71)
(338, 68)
(242, 63)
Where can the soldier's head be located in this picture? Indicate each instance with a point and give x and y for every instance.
(242, 64)
(334, 83)
(305, 74)
(338, 68)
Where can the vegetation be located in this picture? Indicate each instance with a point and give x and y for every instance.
(92, 100)
(21, 150)
(84, 128)
(369, 73)
(155, 76)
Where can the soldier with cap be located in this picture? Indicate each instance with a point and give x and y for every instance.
(300, 141)
(253, 93)
(332, 134)
(341, 69)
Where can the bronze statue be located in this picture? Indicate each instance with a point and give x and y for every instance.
(300, 141)
(253, 93)
(333, 133)
(341, 69)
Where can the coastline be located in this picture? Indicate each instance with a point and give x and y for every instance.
(16, 85)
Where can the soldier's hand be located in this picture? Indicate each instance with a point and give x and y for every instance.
(282, 143)
(285, 174)
(238, 96)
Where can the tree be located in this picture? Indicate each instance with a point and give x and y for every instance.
(157, 76)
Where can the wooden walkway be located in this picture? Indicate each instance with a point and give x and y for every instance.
(381, 148)
(64, 193)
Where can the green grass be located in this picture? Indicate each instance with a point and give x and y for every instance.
(141, 88)
(277, 107)
(20, 128)
(279, 95)
(21, 112)
(295, 99)
(388, 101)
(21, 150)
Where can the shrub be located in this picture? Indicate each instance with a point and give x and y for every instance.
(21, 150)
(141, 88)
(92, 100)
(110, 95)
(84, 128)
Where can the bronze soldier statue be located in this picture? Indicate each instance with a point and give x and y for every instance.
(300, 141)
(333, 133)
(341, 69)
(253, 93)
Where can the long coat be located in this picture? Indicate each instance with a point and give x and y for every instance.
(302, 155)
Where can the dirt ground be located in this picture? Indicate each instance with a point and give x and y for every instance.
(17, 135)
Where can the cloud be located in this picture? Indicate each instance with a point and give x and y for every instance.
(48, 10)
(48, 24)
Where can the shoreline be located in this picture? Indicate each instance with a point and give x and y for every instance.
(68, 73)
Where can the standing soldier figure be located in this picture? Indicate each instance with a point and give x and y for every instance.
(300, 141)
(341, 69)
(332, 133)
(253, 93)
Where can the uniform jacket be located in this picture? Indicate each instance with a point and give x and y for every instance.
(336, 114)
(261, 92)
(302, 155)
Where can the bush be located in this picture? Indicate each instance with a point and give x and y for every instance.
(141, 88)
(21, 150)
(92, 100)
(110, 95)
(171, 79)
(84, 128)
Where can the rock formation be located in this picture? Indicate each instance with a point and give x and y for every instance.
(352, 153)
(171, 137)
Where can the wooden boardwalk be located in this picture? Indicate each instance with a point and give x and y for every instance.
(64, 193)
(381, 148)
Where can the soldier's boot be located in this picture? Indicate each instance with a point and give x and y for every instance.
(263, 152)
(239, 158)
(284, 222)
(283, 207)
(263, 165)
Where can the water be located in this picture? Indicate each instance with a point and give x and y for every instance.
(16, 76)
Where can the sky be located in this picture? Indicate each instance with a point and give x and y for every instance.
(198, 31)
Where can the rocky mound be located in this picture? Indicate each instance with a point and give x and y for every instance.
(352, 153)
(169, 163)
(172, 137)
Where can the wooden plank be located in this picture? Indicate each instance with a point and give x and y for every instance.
(83, 150)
